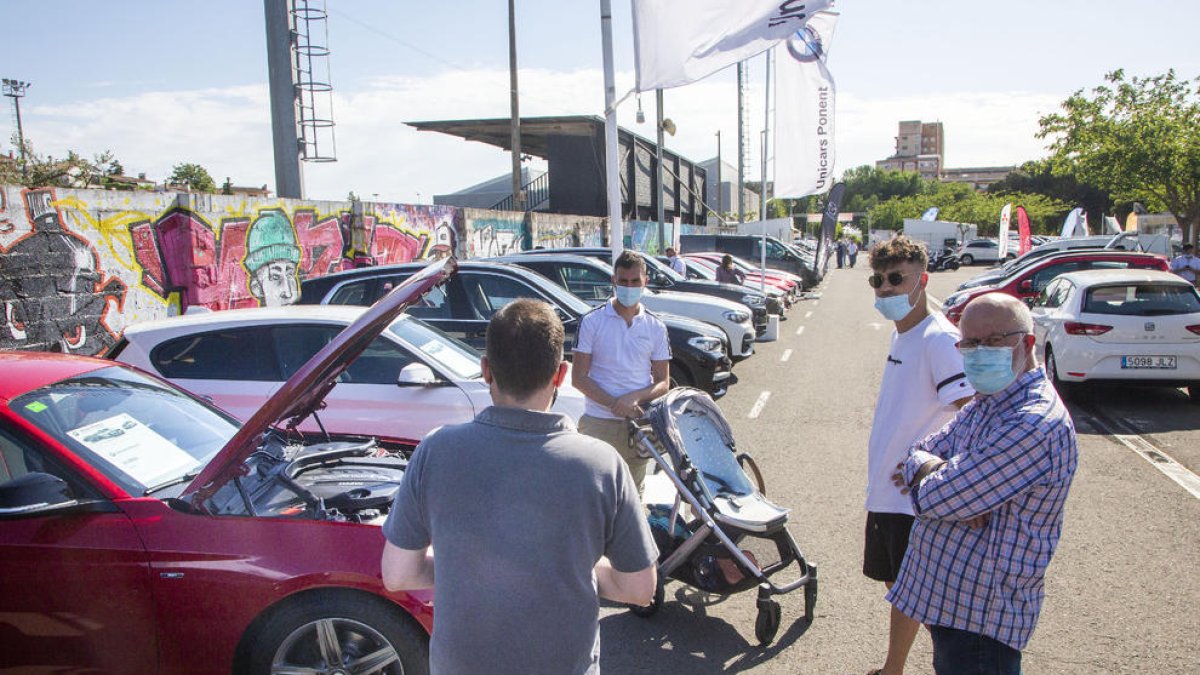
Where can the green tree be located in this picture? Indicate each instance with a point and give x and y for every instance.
(1052, 179)
(194, 176)
(1137, 138)
(39, 171)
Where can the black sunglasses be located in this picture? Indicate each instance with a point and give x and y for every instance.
(893, 278)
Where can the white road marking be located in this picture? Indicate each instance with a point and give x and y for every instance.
(807, 314)
(876, 325)
(936, 301)
(758, 405)
(787, 354)
(800, 330)
(1157, 458)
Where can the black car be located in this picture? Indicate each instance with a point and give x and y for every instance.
(661, 277)
(463, 306)
(780, 256)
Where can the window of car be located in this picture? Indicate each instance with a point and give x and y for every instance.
(1142, 299)
(487, 293)
(19, 457)
(380, 362)
(354, 293)
(459, 358)
(432, 305)
(227, 354)
(1042, 277)
(983, 244)
(1055, 294)
(588, 283)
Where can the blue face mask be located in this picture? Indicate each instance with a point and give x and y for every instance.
(628, 295)
(989, 369)
(894, 307)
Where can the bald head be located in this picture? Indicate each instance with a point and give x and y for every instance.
(996, 313)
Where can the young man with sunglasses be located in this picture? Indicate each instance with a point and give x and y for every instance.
(989, 491)
(923, 387)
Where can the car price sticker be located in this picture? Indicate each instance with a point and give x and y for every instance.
(134, 448)
(1159, 362)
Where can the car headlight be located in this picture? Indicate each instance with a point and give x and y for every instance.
(953, 300)
(705, 343)
(737, 316)
(754, 300)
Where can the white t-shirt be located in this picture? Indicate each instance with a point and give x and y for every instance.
(1186, 266)
(621, 353)
(922, 378)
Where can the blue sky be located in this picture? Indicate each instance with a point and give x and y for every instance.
(162, 82)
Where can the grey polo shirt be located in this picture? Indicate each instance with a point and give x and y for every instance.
(519, 507)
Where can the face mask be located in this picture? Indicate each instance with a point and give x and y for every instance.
(894, 307)
(628, 295)
(989, 369)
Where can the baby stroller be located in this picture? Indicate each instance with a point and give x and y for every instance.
(718, 512)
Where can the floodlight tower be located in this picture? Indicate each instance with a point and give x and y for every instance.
(15, 89)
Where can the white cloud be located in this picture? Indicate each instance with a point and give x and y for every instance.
(228, 130)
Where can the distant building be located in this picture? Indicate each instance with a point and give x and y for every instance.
(728, 202)
(493, 193)
(920, 147)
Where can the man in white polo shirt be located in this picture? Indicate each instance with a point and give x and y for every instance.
(622, 360)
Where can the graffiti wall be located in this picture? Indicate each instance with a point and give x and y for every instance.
(77, 266)
(493, 233)
(554, 230)
(643, 236)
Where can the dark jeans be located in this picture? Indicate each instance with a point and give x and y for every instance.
(957, 652)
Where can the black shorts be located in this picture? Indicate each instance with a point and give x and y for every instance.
(885, 542)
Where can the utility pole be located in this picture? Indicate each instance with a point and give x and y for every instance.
(662, 226)
(720, 187)
(518, 199)
(289, 181)
(612, 154)
(15, 89)
(741, 167)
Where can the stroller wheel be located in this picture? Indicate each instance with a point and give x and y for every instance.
(766, 626)
(651, 609)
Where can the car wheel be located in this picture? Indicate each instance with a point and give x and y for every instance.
(967, 259)
(1064, 388)
(323, 633)
(680, 377)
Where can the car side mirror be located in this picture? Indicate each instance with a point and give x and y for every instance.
(34, 492)
(416, 375)
(1026, 286)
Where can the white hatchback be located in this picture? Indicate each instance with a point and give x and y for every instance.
(410, 380)
(1124, 325)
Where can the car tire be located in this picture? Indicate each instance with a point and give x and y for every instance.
(967, 259)
(1064, 388)
(360, 625)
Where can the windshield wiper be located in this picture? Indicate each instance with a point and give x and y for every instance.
(185, 478)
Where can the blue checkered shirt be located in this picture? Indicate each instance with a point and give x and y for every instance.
(1010, 455)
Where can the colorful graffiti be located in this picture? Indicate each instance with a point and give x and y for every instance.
(496, 234)
(643, 235)
(54, 294)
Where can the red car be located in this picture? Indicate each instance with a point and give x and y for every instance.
(142, 530)
(785, 281)
(1027, 282)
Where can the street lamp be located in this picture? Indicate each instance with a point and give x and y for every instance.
(15, 89)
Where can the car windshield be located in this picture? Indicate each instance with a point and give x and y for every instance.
(457, 357)
(1142, 299)
(704, 271)
(137, 431)
(560, 295)
(666, 270)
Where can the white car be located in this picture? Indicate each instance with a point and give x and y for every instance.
(411, 379)
(982, 251)
(1125, 325)
(731, 317)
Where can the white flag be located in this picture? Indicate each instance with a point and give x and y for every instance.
(805, 95)
(1005, 218)
(680, 41)
(1075, 224)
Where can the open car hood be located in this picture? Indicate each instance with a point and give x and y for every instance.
(305, 390)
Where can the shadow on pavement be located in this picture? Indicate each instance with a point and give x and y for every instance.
(682, 637)
(1147, 410)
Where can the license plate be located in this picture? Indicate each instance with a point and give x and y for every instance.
(1164, 362)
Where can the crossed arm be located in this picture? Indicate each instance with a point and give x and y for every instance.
(627, 405)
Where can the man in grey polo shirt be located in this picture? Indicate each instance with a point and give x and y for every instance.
(517, 521)
(622, 360)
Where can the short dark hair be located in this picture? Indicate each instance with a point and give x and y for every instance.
(629, 260)
(1188, 247)
(524, 346)
(899, 249)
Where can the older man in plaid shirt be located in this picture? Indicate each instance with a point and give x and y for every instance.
(988, 491)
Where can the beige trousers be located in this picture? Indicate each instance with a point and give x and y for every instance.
(616, 434)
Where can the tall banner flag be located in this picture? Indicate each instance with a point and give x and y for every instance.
(680, 41)
(1005, 216)
(1075, 224)
(1131, 223)
(1024, 236)
(930, 214)
(833, 205)
(804, 99)
(1111, 226)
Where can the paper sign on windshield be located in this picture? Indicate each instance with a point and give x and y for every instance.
(134, 448)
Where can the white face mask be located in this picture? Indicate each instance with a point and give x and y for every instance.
(894, 307)
(628, 295)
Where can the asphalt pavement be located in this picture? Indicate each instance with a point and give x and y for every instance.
(1122, 594)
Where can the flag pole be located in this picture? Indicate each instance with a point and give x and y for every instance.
(616, 235)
